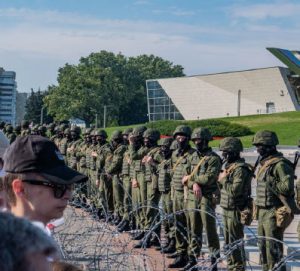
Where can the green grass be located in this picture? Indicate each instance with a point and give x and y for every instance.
(286, 125)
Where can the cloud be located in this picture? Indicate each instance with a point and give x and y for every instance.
(37, 43)
(174, 11)
(264, 11)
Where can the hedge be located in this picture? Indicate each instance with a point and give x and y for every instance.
(219, 128)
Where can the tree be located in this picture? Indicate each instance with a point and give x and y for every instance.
(33, 107)
(105, 79)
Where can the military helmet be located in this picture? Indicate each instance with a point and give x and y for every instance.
(42, 129)
(9, 129)
(182, 129)
(127, 131)
(100, 133)
(265, 137)
(63, 126)
(117, 134)
(166, 141)
(138, 131)
(231, 144)
(201, 133)
(67, 131)
(18, 128)
(76, 130)
(87, 131)
(51, 126)
(152, 134)
(25, 123)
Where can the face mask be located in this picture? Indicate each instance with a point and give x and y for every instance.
(265, 151)
(230, 157)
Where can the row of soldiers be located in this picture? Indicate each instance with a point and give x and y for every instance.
(134, 172)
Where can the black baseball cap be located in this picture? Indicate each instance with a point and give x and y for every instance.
(37, 154)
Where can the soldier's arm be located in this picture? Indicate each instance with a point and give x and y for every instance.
(240, 177)
(284, 175)
(213, 167)
(116, 163)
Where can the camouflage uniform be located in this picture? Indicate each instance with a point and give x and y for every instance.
(205, 169)
(63, 144)
(11, 136)
(114, 169)
(275, 177)
(235, 196)
(164, 187)
(180, 168)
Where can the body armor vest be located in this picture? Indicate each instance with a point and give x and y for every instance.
(265, 197)
(180, 168)
(164, 176)
(229, 202)
(126, 164)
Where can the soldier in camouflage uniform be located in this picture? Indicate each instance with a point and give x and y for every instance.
(11, 136)
(235, 183)
(103, 159)
(136, 151)
(42, 131)
(63, 143)
(126, 179)
(73, 147)
(205, 166)
(275, 180)
(25, 128)
(51, 130)
(180, 168)
(93, 186)
(17, 130)
(149, 188)
(113, 171)
(164, 187)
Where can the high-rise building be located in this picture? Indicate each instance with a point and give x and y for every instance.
(8, 89)
(20, 106)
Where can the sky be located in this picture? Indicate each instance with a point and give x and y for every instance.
(37, 37)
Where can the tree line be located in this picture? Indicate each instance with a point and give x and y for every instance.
(102, 79)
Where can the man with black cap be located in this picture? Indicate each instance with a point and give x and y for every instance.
(38, 183)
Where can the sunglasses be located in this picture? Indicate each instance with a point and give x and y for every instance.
(58, 189)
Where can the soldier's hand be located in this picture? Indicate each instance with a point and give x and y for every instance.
(197, 191)
(97, 183)
(185, 179)
(94, 154)
(135, 183)
(222, 175)
(131, 139)
(149, 159)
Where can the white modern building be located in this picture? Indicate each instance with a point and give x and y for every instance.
(238, 93)
(8, 90)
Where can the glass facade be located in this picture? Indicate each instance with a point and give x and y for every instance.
(160, 106)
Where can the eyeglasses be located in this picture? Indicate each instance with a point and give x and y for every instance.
(58, 189)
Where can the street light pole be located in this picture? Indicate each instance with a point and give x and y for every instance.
(104, 117)
(42, 115)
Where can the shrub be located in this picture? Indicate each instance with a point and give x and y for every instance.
(217, 127)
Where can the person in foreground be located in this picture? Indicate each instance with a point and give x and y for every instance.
(38, 184)
(23, 246)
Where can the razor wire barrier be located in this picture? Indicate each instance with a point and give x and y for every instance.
(95, 243)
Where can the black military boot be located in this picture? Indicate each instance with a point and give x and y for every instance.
(124, 226)
(143, 244)
(191, 263)
(171, 247)
(138, 236)
(117, 220)
(179, 262)
(173, 255)
(213, 261)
